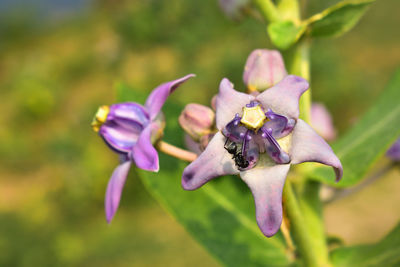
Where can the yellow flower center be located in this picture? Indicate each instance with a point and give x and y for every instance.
(100, 117)
(253, 118)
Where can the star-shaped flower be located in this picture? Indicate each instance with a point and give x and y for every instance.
(260, 152)
(130, 129)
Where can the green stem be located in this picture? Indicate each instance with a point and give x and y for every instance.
(298, 226)
(305, 209)
(298, 63)
(267, 9)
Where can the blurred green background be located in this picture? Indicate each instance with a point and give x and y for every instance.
(60, 60)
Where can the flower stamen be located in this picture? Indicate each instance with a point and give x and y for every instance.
(100, 117)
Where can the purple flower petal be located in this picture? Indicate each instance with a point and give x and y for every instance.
(283, 98)
(308, 146)
(213, 162)
(266, 184)
(280, 125)
(229, 102)
(250, 149)
(273, 148)
(157, 98)
(128, 113)
(114, 189)
(119, 137)
(143, 153)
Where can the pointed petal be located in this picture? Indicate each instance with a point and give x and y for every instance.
(157, 98)
(283, 98)
(308, 146)
(143, 153)
(266, 184)
(114, 189)
(229, 102)
(213, 162)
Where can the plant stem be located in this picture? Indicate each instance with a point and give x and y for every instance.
(176, 151)
(306, 215)
(298, 226)
(298, 62)
(267, 9)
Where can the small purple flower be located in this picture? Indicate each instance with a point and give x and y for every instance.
(321, 121)
(259, 137)
(130, 129)
(394, 151)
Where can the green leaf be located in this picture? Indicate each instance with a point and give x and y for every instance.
(284, 34)
(337, 19)
(220, 215)
(368, 139)
(384, 253)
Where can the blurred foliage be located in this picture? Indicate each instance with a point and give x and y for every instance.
(55, 72)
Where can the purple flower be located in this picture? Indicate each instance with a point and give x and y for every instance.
(259, 137)
(321, 121)
(394, 151)
(130, 129)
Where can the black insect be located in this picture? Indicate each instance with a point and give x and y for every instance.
(232, 148)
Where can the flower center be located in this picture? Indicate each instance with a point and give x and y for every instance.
(253, 117)
(100, 117)
(254, 133)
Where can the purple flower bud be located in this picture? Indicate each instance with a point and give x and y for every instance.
(234, 9)
(264, 68)
(197, 120)
(321, 121)
(394, 151)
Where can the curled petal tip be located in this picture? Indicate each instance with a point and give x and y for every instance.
(186, 178)
(338, 172)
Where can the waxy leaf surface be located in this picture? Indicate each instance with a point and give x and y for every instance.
(338, 19)
(368, 139)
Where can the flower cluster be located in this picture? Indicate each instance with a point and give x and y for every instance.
(257, 136)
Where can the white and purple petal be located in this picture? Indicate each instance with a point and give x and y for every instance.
(215, 161)
(159, 95)
(114, 189)
(266, 184)
(308, 146)
(229, 102)
(283, 98)
(143, 153)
